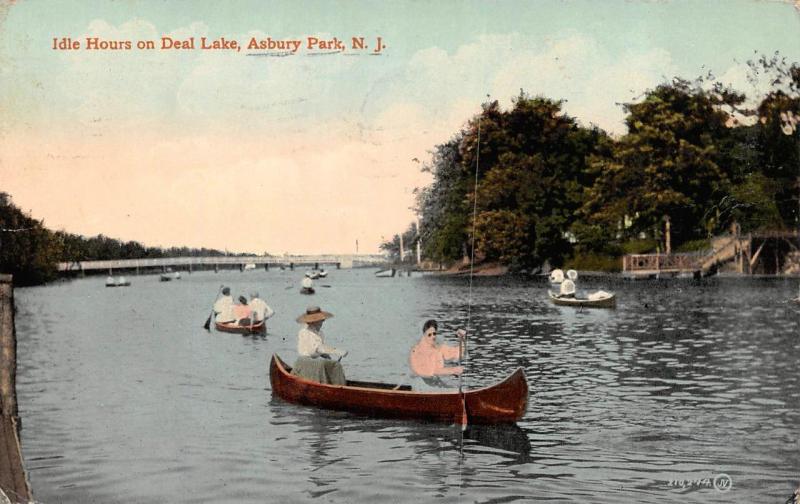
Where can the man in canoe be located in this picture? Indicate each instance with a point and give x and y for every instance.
(315, 359)
(223, 307)
(261, 310)
(427, 359)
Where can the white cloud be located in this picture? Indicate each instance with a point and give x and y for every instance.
(574, 68)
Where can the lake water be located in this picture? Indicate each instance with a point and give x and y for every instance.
(125, 398)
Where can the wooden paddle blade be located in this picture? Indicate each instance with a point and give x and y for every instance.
(207, 325)
(463, 420)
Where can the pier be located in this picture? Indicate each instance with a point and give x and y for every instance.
(224, 262)
(764, 252)
(13, 480)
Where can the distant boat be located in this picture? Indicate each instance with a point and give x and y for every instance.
(307, 286)
(313, 275)
(386, 273)
(599, 299)
(322, 274)
(233, 327)
(250, 266)
(170, 275)
(117, 282)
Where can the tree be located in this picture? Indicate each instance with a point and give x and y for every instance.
(535, 180)
(409, 242)
(668, 164)
(443, 205)
(778, 141)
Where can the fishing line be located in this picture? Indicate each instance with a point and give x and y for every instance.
(469, 296)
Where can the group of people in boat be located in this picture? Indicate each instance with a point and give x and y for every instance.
(567, 285)
(241, 312)
(319, 361)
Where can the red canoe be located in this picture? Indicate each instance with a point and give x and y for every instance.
(232, 327)
(503, 402)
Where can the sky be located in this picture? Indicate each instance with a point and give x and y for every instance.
(311, 151)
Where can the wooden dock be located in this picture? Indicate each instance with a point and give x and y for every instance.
(13, 480)
(765, 252)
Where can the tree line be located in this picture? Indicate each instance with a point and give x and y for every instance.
(31, 252)
(551, 191)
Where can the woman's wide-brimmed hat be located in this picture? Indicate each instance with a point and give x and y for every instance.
(313, 314)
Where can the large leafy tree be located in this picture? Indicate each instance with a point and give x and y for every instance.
(530, 166)
(778, 140)
(443, 205)
(27, 249)
(668, 164)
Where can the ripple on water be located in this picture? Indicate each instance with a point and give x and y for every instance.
(124, 398)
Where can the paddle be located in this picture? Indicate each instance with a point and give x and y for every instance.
(461, 350)
(207, 325)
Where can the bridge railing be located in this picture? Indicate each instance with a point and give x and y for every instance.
(688, 261)
(344, 260)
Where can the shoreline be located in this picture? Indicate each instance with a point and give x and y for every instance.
(498, 270)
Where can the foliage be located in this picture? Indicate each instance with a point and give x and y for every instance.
(594, 262)
(31, 252)
(778, 141)
(643, 246)
(530, 168)
(409, 243)
(27, 250)
(695, 246)
(669, 164)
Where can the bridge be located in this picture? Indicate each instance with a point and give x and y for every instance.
(224, 262)
(763, 252)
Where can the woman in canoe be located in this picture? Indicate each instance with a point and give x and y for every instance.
(427, 359)
(316, 360)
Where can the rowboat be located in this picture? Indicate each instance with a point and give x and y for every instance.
(171, 275)
(503, 402)
(232, 327)
(117, 282)
(306, 290)
(598, 299)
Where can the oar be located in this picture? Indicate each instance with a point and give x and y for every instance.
(207, 325)
(461, 348)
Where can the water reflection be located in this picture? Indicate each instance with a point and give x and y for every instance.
(319, 430)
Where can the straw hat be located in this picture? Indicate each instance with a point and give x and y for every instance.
(313, 314)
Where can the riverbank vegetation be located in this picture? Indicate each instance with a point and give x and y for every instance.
(696, 158)
(31, 252)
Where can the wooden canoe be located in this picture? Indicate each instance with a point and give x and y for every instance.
(503, 402)
(232, 327)
(606, 302)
